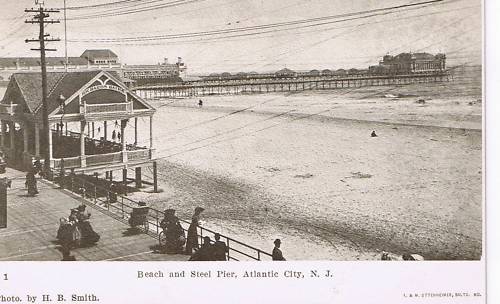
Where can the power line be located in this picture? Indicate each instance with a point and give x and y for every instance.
(303, 22)
(94, 6)
(135, 11)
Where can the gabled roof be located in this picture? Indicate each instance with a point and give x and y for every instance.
(30, 85)
(105, 53)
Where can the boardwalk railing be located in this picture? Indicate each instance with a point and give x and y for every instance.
(121, 207)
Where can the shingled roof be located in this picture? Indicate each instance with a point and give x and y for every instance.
(25, 62)
(26, 88)
(91, 54)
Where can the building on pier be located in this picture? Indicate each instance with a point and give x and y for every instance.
(92, 116)
(410, 63)
(156, 73)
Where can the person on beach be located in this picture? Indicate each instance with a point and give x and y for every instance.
(205, 253)
(277, 254)
(192, 237)
(220, 249)
(374, 134)
(200, 103)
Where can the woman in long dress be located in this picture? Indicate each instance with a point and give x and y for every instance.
(174, 234)
(192, 237)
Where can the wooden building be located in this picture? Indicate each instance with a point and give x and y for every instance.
(92, 116)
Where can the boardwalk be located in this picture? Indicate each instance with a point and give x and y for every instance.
(33, 222)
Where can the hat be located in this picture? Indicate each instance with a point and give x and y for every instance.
(74, 210)
(199, 209)
(169, 211)
(141, 204)
(81, 207)
(276, 241)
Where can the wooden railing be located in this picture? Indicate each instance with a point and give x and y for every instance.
(102, 159)
(139, 154)
(121, 207)
(67, 163)
(8, 108)
(107, 107)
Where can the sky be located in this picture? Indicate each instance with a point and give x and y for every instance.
(453, 27)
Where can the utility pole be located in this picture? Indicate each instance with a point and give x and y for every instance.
(65, 38)
(40, 17)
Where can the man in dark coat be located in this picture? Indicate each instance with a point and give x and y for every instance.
(220, 249)
(277, 254)
(205, 253)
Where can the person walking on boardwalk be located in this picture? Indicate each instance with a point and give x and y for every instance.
(220, 249)
(31, 183)
(174, 234)
(192, 237)
(277, 254)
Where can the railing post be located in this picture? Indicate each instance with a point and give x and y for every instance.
(228, 249)
(107, 200)
(157, 224)
(95, 194)
(123, 212)
(258, 255)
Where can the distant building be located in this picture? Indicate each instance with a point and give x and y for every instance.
(103, 59)
(89, 60)
(408, 63)
(100, 56)
(161, 72)
(286, 73)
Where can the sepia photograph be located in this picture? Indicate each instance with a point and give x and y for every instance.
(241, 130)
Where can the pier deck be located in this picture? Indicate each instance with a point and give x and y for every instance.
(33, 222)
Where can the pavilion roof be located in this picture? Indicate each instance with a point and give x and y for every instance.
(29, 87)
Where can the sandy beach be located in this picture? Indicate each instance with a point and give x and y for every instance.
(303, 167)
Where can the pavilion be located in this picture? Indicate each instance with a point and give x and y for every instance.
(90, 114)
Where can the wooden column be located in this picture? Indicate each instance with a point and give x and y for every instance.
(11, 133)
(37, 140)
(2, 126)
(151, 131)
(123, 126)
(25, 138)
(93, 130)
(50, 141)
(135, 131)
(138, 177)
(124, 181)
(82, 144)
(155, 178)
(105, 130)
